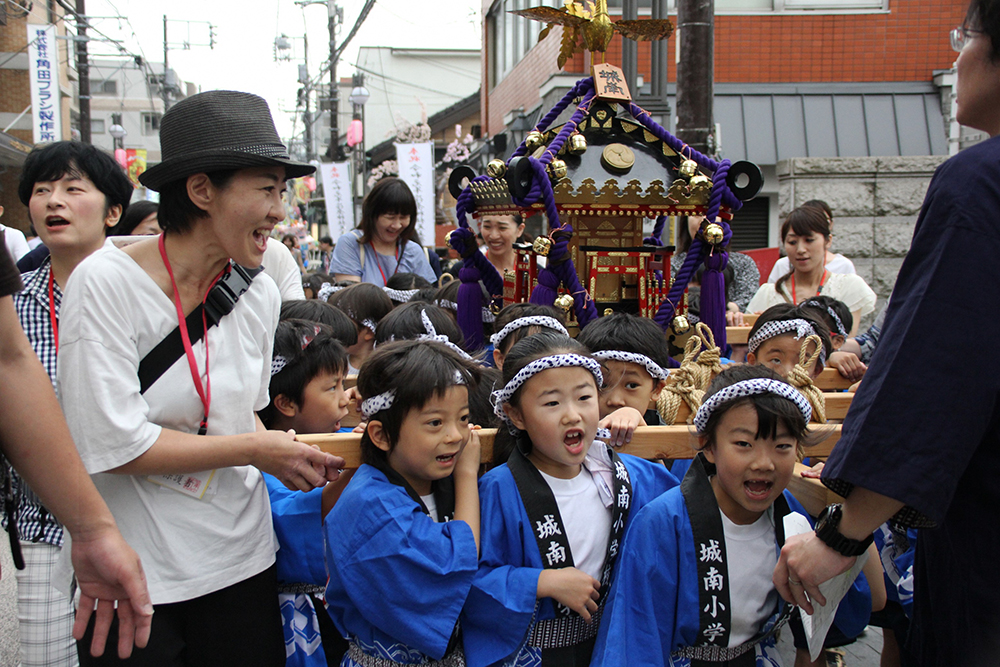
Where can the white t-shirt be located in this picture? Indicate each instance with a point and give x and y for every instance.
(752, 555)
(112, 315)
(16, 243)
(838, 264)
(280, 264)
(585, 518)
(431, 505)
(849, 288)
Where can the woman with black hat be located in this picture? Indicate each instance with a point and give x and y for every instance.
(166, 353)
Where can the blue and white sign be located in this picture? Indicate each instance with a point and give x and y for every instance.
(43, 69)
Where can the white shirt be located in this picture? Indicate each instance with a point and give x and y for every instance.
(431, 506)
(586, 520)
(849, 288)
(838, 264)
(112, 315)
(280, 264)
(752, 554)
(17, 245)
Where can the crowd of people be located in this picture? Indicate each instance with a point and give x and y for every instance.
(188, 524)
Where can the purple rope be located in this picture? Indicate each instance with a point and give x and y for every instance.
(657, 236)
(582, 86)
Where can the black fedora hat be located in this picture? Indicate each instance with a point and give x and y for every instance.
(217, 130)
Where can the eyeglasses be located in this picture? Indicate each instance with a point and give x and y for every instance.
(961, 36)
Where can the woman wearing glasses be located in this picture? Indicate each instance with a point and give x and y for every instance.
(922, 443)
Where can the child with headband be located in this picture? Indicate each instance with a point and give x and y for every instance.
(365, 304)
(837, 316)
(694, 583)
(554, 516)
(402, 540)
(307, 394)
(519, 320)
(777, 336)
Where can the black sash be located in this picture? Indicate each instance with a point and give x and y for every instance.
(543, 513)
(443, 490)
(715, 616)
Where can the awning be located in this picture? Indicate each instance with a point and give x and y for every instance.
(13, 150)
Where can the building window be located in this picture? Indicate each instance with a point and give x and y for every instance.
(103, 87)
(510, 37)
(97, 126)
(724, 6)
(151, 123)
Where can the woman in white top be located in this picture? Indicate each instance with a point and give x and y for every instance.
(806, 235)
(179, 462)
(836, 262)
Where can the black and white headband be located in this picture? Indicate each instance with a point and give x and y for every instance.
(530, 321)
(384, 401)
(746, 388)
(654, 369)
(326, 289)
(501, 396)
(399, 295)
(432, 334)
(833, 313)
(801, 328)
(488, 315)
(279, 362)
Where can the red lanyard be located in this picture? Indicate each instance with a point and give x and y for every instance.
(204, 393)
(820, 289)
(52, 309)
(378, 263)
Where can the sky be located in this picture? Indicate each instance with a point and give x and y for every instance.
(243, 57)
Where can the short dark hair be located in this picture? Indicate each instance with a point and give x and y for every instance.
(405, 323)
(803, 221)
(389, 196)
(326, 239)
(772, 409)
(308, 349)
(416, 370)
(50, 162)
(821, 205)
(177, 212)
(362, 301)
(425, 295)
(518, 310)
(985, 15)
(628, 333)
(818, 305)
(314, 281)
(136, 213)
(407, 281)
(314, 310)
(786, 311)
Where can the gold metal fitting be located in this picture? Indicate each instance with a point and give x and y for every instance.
(496, 169)
(542, 246)
(609, 311)
(577, 144)
(557, 170)
(688, 168)
(680, 325)
(700, 183)
(564, 302)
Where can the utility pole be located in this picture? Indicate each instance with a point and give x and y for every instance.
(83, 68)
(335, 152)
(307, 93)
(695, 73)
(164, 90)
(630, 49)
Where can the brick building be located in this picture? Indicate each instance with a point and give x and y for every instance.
(793, 79)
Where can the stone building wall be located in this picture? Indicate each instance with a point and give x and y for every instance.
(875, 203)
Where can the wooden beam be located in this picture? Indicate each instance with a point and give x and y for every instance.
(837, 404)
(648, 442)
(813, 495)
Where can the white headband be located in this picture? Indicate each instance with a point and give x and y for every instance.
(654, 369)
(326, 289)
(400, 295)
(488, 315)
(384, 401)
(278, 363)
(746, 388)
(502, 396)
(836, 318)
(432, 334)
(531, 321)
(801, 328)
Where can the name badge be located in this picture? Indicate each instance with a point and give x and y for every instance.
(190, 484)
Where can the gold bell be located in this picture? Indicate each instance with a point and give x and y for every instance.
(542, 246)
(577, 144)
(533, 140)
(564, 302)
(680, 325)
(448, 238)
(714, 233)
(609, 311)
(700, 183)
(496, 169)
(557, 170)
(688, 168)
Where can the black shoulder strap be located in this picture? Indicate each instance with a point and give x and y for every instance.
(219, 303)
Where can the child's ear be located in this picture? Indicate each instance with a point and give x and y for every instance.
(706, 449)
(366, 334)
(837, 340)
(378, 435)
(751, 358)
(658, 386)
(498, 359)
(285, 405)
(515, 416)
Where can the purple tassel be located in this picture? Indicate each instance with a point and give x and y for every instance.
(470, 307)
(713, 296)
(544, 293)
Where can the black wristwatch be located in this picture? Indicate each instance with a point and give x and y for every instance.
(827, 525)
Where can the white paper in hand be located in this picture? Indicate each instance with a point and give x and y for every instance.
(818, 624)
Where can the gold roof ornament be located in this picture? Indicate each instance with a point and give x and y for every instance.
(589, 19)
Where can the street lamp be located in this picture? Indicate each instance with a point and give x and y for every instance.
(117, 131)
(359, 95)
